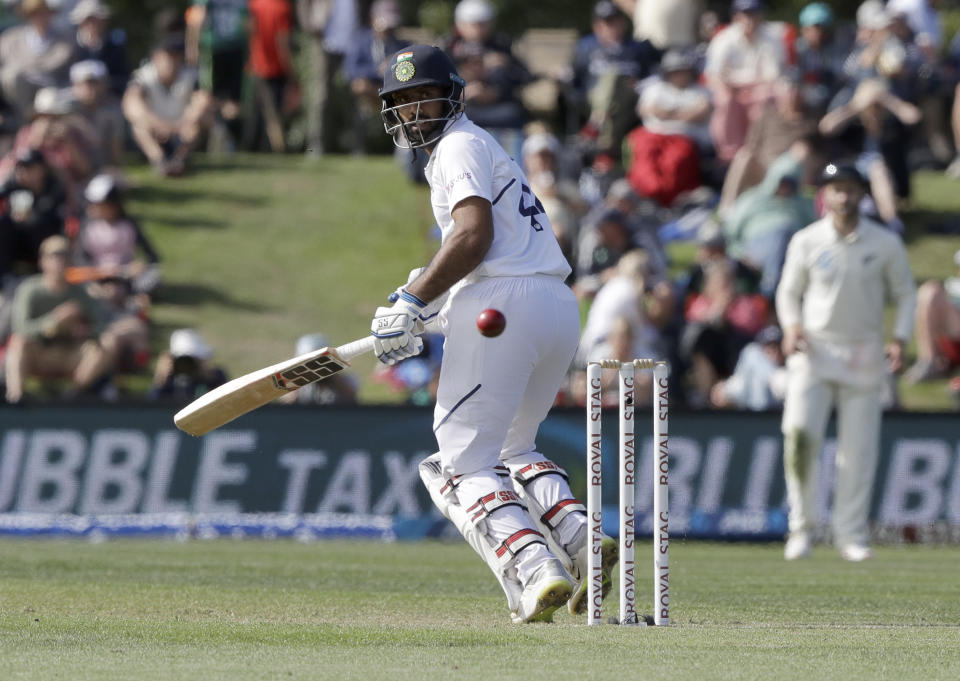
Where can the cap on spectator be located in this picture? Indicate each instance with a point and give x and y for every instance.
(189, 343)
(817, 14)
(770, 335)
(88, 69)
(174, 43)
(29, 157)
(605, 9)
(474, 12)
(746, 6)
(310, 342)
(612, 215)
(840, 172)
(710, 235)
(50, 101)
(30, 6)
(87, 9)
(872, 14)
(56, 244)
(101, 188)
(385, 15)
(620, 190)
(678, 60)
(538, 142)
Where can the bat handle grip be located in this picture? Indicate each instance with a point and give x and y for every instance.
(356, 348)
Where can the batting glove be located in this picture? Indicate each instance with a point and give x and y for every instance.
(394, 329)
(430, 311)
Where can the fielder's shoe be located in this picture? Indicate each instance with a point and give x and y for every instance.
(856, 553)
(609, 555)
(548, 589)
(798, 546)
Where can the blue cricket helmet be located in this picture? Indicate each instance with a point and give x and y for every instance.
(415, 66)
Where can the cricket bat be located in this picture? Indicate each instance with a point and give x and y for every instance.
(244, 394)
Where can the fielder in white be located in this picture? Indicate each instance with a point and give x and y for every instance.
(511, 503)
(839, 273)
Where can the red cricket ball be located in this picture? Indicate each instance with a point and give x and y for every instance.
(491, 322)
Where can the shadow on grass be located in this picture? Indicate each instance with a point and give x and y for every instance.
(169, 193)
(173, 293)
(188, 222)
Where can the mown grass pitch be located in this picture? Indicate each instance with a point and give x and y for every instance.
(251, 609)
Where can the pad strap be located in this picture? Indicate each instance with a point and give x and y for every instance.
(489, 503)
(517, 542)
(555, 515)
(532, 471)
(452, 483)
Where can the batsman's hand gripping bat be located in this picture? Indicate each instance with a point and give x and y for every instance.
(241, 395)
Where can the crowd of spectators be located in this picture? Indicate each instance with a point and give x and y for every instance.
(673, 120)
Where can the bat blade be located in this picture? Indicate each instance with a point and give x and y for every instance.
(245, 393)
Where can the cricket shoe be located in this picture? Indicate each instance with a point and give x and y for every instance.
(856, 553)
(609, 555)
(548, 589)
(798, 546)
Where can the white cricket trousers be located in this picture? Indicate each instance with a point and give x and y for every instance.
(807, 406)
(494, 392)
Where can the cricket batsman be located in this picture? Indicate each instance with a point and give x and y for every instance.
(511, 503)
(839, 273)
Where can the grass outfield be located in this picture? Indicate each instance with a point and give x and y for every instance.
(238, 610)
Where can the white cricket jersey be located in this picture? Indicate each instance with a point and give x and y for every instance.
(467, 162)
(837, 286)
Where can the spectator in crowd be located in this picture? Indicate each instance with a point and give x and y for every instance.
(742, 63)
(217, 46)
(618, 344)
(712, 248)
(786, 124)
(759, 381)
(937, 328)
(819, 56)
(493, 74)
(94, 102)
(764, 218)
(665, 150)
(622, 297)
(55, 328)
(65, 140)
(607, 65)
(330, 26)
(166, 111)
(340, 388)
(643, 224)
(550, 182)
(838, 276)
(108, 240)
(185, 371)
(601, 245)
(33, 55)
(720, 322)
(363, 66)
(923, 19)
(667, 24)
(880, 119)
(270, 71)
(33, 209)
(95, 40)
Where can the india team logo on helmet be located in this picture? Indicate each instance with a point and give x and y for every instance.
(414, 67)
(405, 69)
